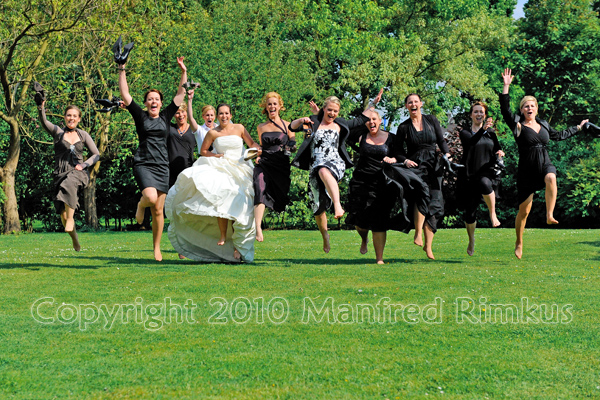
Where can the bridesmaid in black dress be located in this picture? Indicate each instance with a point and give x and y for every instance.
(370, 199)
(272, 170)
(70, 171)
(478, 179)
(181, 144)
(151, 160)
(535, 170)
(421, 133)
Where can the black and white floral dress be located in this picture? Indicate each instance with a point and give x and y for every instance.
(324, 153)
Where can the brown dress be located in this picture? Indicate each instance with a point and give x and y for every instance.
(68, 180)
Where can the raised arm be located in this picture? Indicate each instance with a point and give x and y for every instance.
(507, 77)
(123, 87)
(48, 126)
(193, 123)
(509, 118)
(178, 99)
(362, 119)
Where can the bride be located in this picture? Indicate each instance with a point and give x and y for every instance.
(214, 193)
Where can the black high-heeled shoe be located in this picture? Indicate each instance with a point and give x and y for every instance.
(109, 105)
(190, 85)
(593, 129)
(451, 167)
(40, 94)
(121, 52)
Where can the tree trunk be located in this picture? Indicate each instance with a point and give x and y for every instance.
(89, 199)
(10, 213)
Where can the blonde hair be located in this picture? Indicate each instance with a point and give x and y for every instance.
(207, 108)
(374, 111)
(263, 103)
(526, 99)
(332, 99)
(183, 107)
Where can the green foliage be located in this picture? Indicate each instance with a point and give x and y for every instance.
(582, 188)
(557, 57)
(451, 52)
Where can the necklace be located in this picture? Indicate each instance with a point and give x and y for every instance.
(182, 130)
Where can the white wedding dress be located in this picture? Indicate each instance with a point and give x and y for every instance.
(214, 187)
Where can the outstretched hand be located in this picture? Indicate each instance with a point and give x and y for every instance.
(181, 64)
(507, 77)
(314, 108)
(190, 94)
(377, 99)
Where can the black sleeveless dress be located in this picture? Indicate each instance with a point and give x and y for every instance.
(370, 200)
(534, 160)
(272, 172)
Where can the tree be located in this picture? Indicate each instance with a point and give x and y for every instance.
(25, 40)
(556, 59)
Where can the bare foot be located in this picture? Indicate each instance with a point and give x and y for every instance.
(326, 245)
(259, 235)
(236, 254)
(181, 257)
(429, 253)
(157, 255)
(221, 241)
(339, 212)
(418, 240)
(69, 225)
(495, 221)
(518, 250)
(471, 248)
(363, 246)
(549, 220)
(380, 262)
(139, 214)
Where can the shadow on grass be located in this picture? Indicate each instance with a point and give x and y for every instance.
(38, 266)
(359, 261)
(595, 244)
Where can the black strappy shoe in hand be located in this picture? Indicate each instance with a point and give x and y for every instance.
(121, 52)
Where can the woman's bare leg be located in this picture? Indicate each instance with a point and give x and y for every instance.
(148, 199)
(67, 217)
(419, 221)
(259, 212)
(524, 209)
(379, 244)
(471, 233)
(333, 189)
(490, 202)
(321, 220)
(158, 222)
(551, 190)
(222, 223)
(364, 235)
(428, 242)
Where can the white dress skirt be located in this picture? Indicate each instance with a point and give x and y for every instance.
(214, 187)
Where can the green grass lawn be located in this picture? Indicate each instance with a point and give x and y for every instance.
(95, 329)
